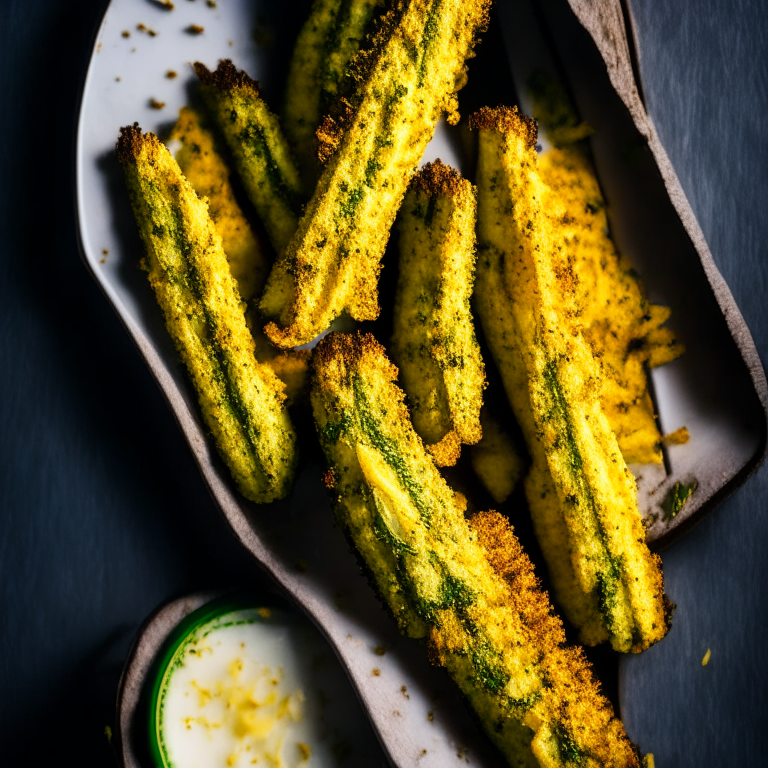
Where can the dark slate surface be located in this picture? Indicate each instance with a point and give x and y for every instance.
(104, 515)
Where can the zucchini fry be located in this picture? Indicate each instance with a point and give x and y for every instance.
(530, 320)
(326, 45)
(260, 152)
(241, 401)
(433, 342)
(333, 262)
(206, 171)
(624, 330)
(468, 587)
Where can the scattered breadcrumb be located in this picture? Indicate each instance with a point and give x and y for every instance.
(171, 73)
(155, 104)
(379, 650)
(404, 691)
(195, 29)
(430, 716)
(104, 251)
(125, 33)
(304, 750)
(678, 437)
(117, 79)
(265, 613)
(167, 4)
(210, 3)
(376, 672)
(706, 658)
(145, 28)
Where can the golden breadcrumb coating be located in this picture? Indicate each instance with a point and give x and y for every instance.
(332, 264)
(522, 234)
(469, 587)
(622, 327)
(328, 41)
(433, 340)
(205, 169)
(260, 152)
(241, 401)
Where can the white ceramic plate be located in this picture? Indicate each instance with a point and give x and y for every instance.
(717, 389)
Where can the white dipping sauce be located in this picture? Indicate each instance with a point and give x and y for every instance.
(253, 688)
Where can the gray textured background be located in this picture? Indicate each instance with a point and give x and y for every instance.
(104, 515)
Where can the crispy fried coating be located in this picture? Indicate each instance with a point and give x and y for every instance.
(327, 43)
(624, 330)
(496, 459)
(203, 166)
(241, 401)
(469, 587)
(411, 76)
(260, 151)
(532, 313)
(205, 169)
(433, 339)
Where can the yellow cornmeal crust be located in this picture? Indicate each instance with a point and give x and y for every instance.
(622, 327)
(332, 264)
(433, 340)
(624, 330)
(260, 152)
(207, 172)
(496, 459)
(328, 41)
(242, 402)
(493, 307)
(205, 169)
(522, 242)
(468, 587)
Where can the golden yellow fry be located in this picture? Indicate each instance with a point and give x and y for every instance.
(468, 586)
(521, 234)
(433, 340)
(241, 401)
(333, 262)
(622, 327)
(206, 171)
(326, 45)
(260, 152)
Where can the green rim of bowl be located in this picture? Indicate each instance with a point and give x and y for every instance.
(167, 656)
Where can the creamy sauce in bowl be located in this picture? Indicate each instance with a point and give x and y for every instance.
(254, 687)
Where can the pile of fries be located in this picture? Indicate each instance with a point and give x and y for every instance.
(564, 318)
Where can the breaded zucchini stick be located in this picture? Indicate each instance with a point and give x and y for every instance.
(260, 151)
(206, 171)
(433, 340)
(624, 330)
(202, 165)
(326, 45)
(540, 352)
(469, 588)
(241, 401)
(333, 262)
